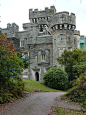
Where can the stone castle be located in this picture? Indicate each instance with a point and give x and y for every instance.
(44, 39)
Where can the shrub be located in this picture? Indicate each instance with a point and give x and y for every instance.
(13, 89)
(56, 78)
(78, 92)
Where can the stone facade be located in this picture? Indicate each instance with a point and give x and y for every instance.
(44, 39)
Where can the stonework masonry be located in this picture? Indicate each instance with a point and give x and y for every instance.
(44, 39)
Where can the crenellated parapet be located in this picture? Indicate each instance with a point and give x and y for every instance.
(63, 20)
(11, 30)
(35, 15)
(82, 37)
(76, 32)
(12, 25)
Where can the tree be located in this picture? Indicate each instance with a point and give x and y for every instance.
(10, 63)
(72, 60)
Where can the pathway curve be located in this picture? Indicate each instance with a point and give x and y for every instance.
(38, 103)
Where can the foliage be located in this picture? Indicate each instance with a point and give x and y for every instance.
(13, 89)
(25, 60)
(74, 62)
(6, 44)
(78, 92)
(80, 67)
(37, 86)
(10, 63)
(56, 78)
(10, 66)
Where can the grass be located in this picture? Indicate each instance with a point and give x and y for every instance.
(64, 111)
(37, 86)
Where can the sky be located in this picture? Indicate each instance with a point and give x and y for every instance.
(17, 11)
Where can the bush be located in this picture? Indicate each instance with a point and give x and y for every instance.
(78, 92)
(56, 78)
(13, 89)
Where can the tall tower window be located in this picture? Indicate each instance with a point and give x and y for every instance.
(41, 28)
(22, 43)
(61, 36)
(69, 39)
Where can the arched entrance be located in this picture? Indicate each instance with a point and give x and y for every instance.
(37, 76)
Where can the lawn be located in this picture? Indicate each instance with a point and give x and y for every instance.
(37, 86)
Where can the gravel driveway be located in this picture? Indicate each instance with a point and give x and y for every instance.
(38, 103)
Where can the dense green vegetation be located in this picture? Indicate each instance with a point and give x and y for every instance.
(13, 89)
(78, 92)
(74, 62)
(56, 78)
(10, 66)
(75, 66)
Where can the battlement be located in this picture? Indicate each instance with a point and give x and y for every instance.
(82, 37)
(11, 25)
(76, 32)
(63, 20)
(41, 14)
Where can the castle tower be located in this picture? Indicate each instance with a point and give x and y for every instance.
(63, 26)
(77, 39)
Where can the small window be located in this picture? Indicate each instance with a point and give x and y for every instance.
(6, 34)
(25, 39)
(43, 57)
(61, 35)
(74, 41)
(22, 43)
(25, 73)
(69, 39)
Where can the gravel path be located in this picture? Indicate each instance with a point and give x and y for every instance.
(37, 104)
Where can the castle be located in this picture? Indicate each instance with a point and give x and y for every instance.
(44, 39)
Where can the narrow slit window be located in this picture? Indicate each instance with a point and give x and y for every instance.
(43, 57)
(22, 43)
(69, 39)
(61, 35)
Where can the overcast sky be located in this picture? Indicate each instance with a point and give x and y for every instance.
(17, 11)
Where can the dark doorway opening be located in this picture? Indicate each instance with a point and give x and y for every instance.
(37, 76)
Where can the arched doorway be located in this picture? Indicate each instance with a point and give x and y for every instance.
(37, 76)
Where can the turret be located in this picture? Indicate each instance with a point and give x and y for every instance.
(63, 20)
(35, 15)
(77, 39)
(62, 26)
(77, 32)
(8, 25)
